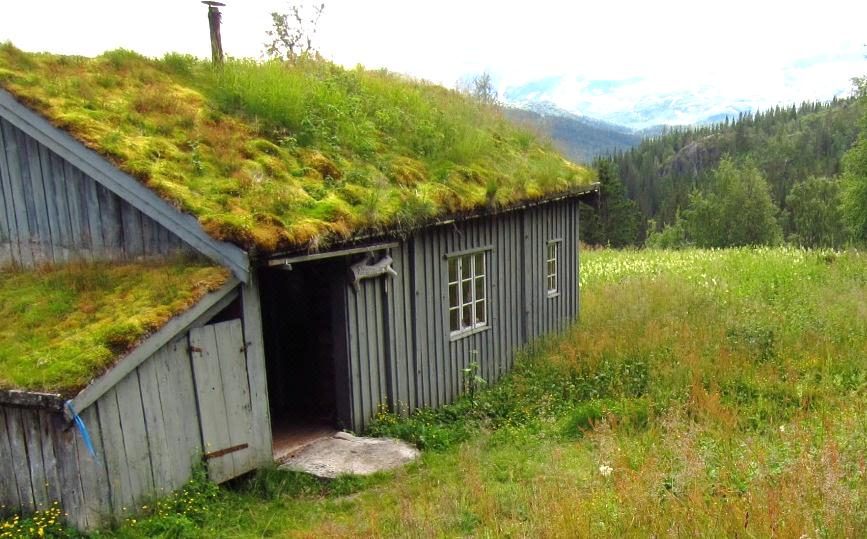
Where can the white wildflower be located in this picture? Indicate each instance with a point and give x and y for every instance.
(605, 470)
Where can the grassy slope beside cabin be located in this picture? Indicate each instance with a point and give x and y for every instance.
(704, 394)
(276, 157)
(63, 326)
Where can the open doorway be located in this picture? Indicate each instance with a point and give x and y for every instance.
(298, 313)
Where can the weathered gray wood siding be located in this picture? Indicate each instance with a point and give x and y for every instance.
(542, 224)
(147, 431)
(223, 393)
(380, 364)
(42, 462)
(367, 342)
(399, 350)
(261, 451)
(50, 211)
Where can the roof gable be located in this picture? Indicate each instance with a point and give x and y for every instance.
(93, 165)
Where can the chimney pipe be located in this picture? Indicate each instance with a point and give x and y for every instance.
(214, 17)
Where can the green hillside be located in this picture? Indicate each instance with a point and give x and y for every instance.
(788, 146)
(276, 157)
(580, 139)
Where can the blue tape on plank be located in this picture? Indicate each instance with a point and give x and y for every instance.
(82, 428)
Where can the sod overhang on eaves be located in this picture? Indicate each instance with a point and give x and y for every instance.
(64, 326)
(275, 158)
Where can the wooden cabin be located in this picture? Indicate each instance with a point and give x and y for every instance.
(292, 340)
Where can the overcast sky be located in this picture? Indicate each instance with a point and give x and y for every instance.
(754, 52)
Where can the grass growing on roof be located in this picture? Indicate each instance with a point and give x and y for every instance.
(276, 157)
(62, 326)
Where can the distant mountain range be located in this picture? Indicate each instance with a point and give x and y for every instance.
(628, 103)
(580, 138)
(676, 109)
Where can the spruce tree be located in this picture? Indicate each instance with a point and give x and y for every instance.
(616, 222)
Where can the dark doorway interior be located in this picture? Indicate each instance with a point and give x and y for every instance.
(297, 320)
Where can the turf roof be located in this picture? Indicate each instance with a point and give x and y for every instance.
(63, 326)
(276, 157)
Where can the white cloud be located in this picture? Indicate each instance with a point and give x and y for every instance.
(723, 51)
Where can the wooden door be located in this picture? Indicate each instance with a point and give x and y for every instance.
(223, 394)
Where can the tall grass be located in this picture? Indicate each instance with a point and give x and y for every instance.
(358, 112)
(703, 393)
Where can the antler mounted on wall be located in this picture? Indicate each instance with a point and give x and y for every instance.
(367, 268)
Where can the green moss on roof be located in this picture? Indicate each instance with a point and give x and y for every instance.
(63, 326)
(277, 157)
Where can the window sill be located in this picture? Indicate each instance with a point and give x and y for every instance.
(458, 335)
(552, 295)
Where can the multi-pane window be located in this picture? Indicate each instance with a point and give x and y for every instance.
(552, 256)
(467, 298)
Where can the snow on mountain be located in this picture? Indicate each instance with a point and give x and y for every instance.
(593, 101)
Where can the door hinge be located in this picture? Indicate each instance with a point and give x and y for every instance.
(226, 451)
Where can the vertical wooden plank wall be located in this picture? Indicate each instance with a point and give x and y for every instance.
(380, 365)
(367, 350)
(492, 348)
(545, 223)
(52, 212)
(398, 349)
(426, 365)
(401, 328)
(7, 210)
(44, 462)
(261, 452)
(146, 435)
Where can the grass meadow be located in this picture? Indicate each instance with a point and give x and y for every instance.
(703, 393)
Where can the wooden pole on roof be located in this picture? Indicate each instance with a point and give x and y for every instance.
(214, 17)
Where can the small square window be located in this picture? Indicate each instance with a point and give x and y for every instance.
(467, 292)
(552, 263)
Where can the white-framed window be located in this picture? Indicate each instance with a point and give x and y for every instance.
(467, 292)
(552, 265)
